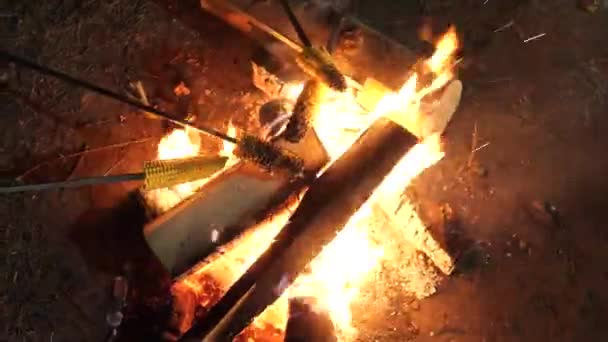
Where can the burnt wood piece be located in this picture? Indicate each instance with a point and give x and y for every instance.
(327, 206)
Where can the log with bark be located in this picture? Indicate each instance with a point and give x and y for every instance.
(327, 206)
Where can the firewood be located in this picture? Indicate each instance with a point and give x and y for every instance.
(327, 206)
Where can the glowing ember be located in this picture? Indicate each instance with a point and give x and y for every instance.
(344, 266)
(181, 90)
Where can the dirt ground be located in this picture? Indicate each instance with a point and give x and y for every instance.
(528, 206)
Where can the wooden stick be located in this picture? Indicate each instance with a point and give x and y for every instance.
(327, 206)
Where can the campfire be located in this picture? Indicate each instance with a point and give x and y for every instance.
(182, 143)
(347, 264)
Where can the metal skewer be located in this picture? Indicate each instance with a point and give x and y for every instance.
(156, 174)
(108, 93)
(302, 36)
(73, 183)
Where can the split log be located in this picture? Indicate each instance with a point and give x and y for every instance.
(327, 206)
(224, 208)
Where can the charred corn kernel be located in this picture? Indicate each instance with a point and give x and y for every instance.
(166, 173)
(319, 65)
(268, 156)
(304, 111)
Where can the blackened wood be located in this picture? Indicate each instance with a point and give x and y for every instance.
(327, 206)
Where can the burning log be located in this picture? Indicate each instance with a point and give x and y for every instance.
(327, 206)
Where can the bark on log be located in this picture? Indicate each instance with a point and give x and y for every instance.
(327, 206)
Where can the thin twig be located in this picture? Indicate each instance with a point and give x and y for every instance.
(473, 146)
(96, 149)
(76, 166)
(115, 165)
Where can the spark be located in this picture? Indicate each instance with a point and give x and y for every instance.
(540, 35)
(505, 26)
(481, 147)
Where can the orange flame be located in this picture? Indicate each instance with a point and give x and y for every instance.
(345, 265)
(444, 52)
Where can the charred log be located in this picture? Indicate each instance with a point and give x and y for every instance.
(327, 206)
